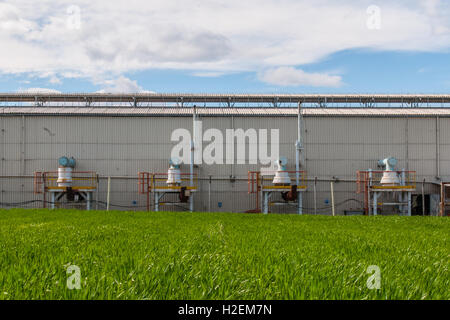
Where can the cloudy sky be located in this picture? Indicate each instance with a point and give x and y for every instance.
(225, 46)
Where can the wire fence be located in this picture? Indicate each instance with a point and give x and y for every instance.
(214, 194)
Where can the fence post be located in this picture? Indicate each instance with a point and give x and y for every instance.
(96, 192)
(108, 194)
(315, 195)
(332, 198)
(423, 197)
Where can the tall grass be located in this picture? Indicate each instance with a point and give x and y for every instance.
(139, 255)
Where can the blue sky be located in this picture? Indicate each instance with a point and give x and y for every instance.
(362, 72)
(218, 46)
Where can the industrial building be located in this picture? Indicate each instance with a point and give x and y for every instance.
(115, 137)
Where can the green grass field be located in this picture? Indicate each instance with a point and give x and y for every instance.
(138, 255)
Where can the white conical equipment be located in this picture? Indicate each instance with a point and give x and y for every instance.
(281, 175)
(390, 176)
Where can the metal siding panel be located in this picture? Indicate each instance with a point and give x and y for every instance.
(356, 130)
(115, 146)
(444, 128)
(422, 130)
(422, 151)
(424, 168)
(11, 129)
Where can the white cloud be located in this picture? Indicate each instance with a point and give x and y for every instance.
(431, 6)
(210, 37)
(288, 76)
(208, 74)
(122, 85)
(38, 90)
(55, 80)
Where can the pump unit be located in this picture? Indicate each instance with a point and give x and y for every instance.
(174, 172)
(390, 176)
(270, 181)
(66, 186)
(281, 175)
(386, 188)
(65, 170)
(170, 184)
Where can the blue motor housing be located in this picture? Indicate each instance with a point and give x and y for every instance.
(63, 161)
(72, 162)
(66, 162)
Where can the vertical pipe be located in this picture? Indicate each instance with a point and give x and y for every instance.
(191, 167)
(298, 146)
(191, 202)
(406, 194)
(22, 147)
(438, 151)
(442, 203)
(409, 204)
(315, 195)
(375, 203)
(232, 143)
(332, 198)
(53, 199)
(266, 203)
(96, 194)
(407, 143)
(300, 203)
(88, 201)
(299, 122)
(108, 193)
(297, 165)
(369, 186)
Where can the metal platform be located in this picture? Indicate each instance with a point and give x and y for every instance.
(261, 184)
(156, 184)
(377, 195)
(84, 184)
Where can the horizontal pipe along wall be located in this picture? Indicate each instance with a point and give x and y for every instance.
(121, 146)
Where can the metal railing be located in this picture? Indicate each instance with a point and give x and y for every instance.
(150, 181)
(44, 181)
(258, 180)
(372, 179)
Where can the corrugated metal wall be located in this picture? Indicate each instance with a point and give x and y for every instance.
(122, 146)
